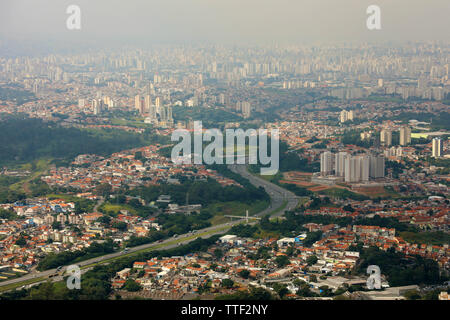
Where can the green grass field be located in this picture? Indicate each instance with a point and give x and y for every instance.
(37, 169)
(116, 208)
(218, 210)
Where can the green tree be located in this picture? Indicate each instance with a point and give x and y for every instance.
(311, 260)
(282, 261)
(104, 220)
(56, 225)
(227, 283)
(103, 189)
(132, 286)
(281, 289)
(120, 225)
(244, 273)
(21, 241)
(218, 253)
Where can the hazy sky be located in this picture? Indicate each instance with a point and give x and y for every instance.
(227, 20)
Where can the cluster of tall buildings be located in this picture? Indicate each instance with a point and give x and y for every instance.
(245, 108)
(101, 104)
(394, 152)
(386, 137)
(156, 112)
(352, 168)
(405, 136)
(98, 104)
(346, 116)
(349, 93)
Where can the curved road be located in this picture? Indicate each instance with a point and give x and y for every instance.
(277, 194)
(278, 197)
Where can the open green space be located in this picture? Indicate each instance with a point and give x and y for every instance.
(219, 210)
(437, 238)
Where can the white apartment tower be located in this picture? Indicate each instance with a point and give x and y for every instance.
(326, 163)
(386, 137)
(437, 148)
(405, 136)
(148, 103)
(346, 115)
(339, 163)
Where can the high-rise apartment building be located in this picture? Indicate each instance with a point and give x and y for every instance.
(137, 102)
(97, 106)
(246, 109)
(386, 137)
(352, 168)
(148, 103)
(437, 148)
(364, 167)
(405, 136)
(346, 115)
(326, 163)
(339, 163)
(377, 167)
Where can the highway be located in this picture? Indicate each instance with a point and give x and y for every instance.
(278, 196)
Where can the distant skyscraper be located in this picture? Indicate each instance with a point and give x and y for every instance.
(346, 116)
(437, 148)
(343, 116)
(339, 163)
(148, 103)
(81, 103)
(405, 136)
(169, 114)
(365, 167)
(350, 115)
(326, 164)
(377, 167)
(163, 114)
(352, 169)
(107, 101)
(158, 104)
(137, 102)
(221, 98)
(386, 137)
(246, 109)
(152, 113)
(97, 106)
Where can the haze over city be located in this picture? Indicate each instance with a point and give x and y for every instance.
(232, 21)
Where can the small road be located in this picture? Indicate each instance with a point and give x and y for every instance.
(98, 204)
(278, 196)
